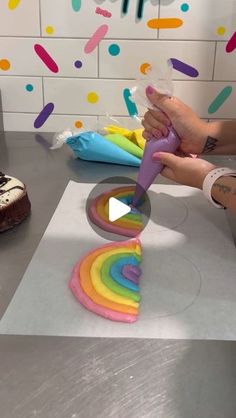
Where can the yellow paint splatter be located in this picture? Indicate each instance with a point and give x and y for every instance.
(49, 30)
(221, 30)
(78, 124)
(12, 4)
(165, 23)
(145, 67)
(5, 64)
(92, 97)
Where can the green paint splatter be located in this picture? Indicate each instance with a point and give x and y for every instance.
(220, 99)
(76, 4)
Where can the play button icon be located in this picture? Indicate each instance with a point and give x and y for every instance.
(110, 212)
(117, 209)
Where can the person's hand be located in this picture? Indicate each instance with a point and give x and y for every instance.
(184, 170)
(190, 128)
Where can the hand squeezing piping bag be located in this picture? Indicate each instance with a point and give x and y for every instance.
(149, 169)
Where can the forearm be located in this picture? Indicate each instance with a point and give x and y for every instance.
(224, 192)
(220, 138)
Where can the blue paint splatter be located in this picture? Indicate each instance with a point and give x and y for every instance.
(131, 107)
(29, 87)
(76, 4)
(114, 50)
(184, 7)
(125, 6)
(140, 8)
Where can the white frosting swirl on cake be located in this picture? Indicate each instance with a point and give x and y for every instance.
(10, 190)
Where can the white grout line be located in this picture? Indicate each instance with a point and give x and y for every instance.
(112, 39)
(92, 116)
(214, 61)
(179, 80)
(40, 19)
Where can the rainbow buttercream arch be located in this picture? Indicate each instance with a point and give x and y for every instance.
(106, 280)
(129, 225)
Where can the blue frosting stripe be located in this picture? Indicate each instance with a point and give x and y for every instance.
(116, 272)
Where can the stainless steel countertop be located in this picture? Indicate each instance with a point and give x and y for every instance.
(47, 377)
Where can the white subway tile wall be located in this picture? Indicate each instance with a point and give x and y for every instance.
(69, 63)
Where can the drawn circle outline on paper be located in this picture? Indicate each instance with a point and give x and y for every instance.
(168, 212)
(171, 284)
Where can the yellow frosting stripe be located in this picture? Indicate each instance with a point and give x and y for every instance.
(96, 278)
(137, 138)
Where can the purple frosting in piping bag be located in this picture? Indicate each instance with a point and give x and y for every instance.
(149, 169)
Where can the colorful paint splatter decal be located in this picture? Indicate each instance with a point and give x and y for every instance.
(96, 38)
(184, 68)
(231, 44)
(165, 23)
(140, 7)
(46, 58)
(13, 4)
(220, 99)
(76, 5)
(43, 115)
(108, 22)
(131, 106)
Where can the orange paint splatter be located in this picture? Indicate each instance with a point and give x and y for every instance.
(145, 67)
(5, 64)
(165, 23)
(78, 124)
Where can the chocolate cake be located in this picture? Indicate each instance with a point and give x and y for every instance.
(14, 202)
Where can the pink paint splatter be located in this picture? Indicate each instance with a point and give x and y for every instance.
(96, 38)
(46, 58)
(231, 45)
(103, 12)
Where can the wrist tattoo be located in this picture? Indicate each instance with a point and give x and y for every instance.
(210, 144)
(224, 189)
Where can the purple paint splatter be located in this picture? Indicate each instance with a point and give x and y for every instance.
(184, 68)
(78, 64)
(43, 115)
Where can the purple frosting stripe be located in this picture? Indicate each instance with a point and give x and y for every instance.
(132, 273)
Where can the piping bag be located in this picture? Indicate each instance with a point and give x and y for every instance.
(161, 80)
(149, 169)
